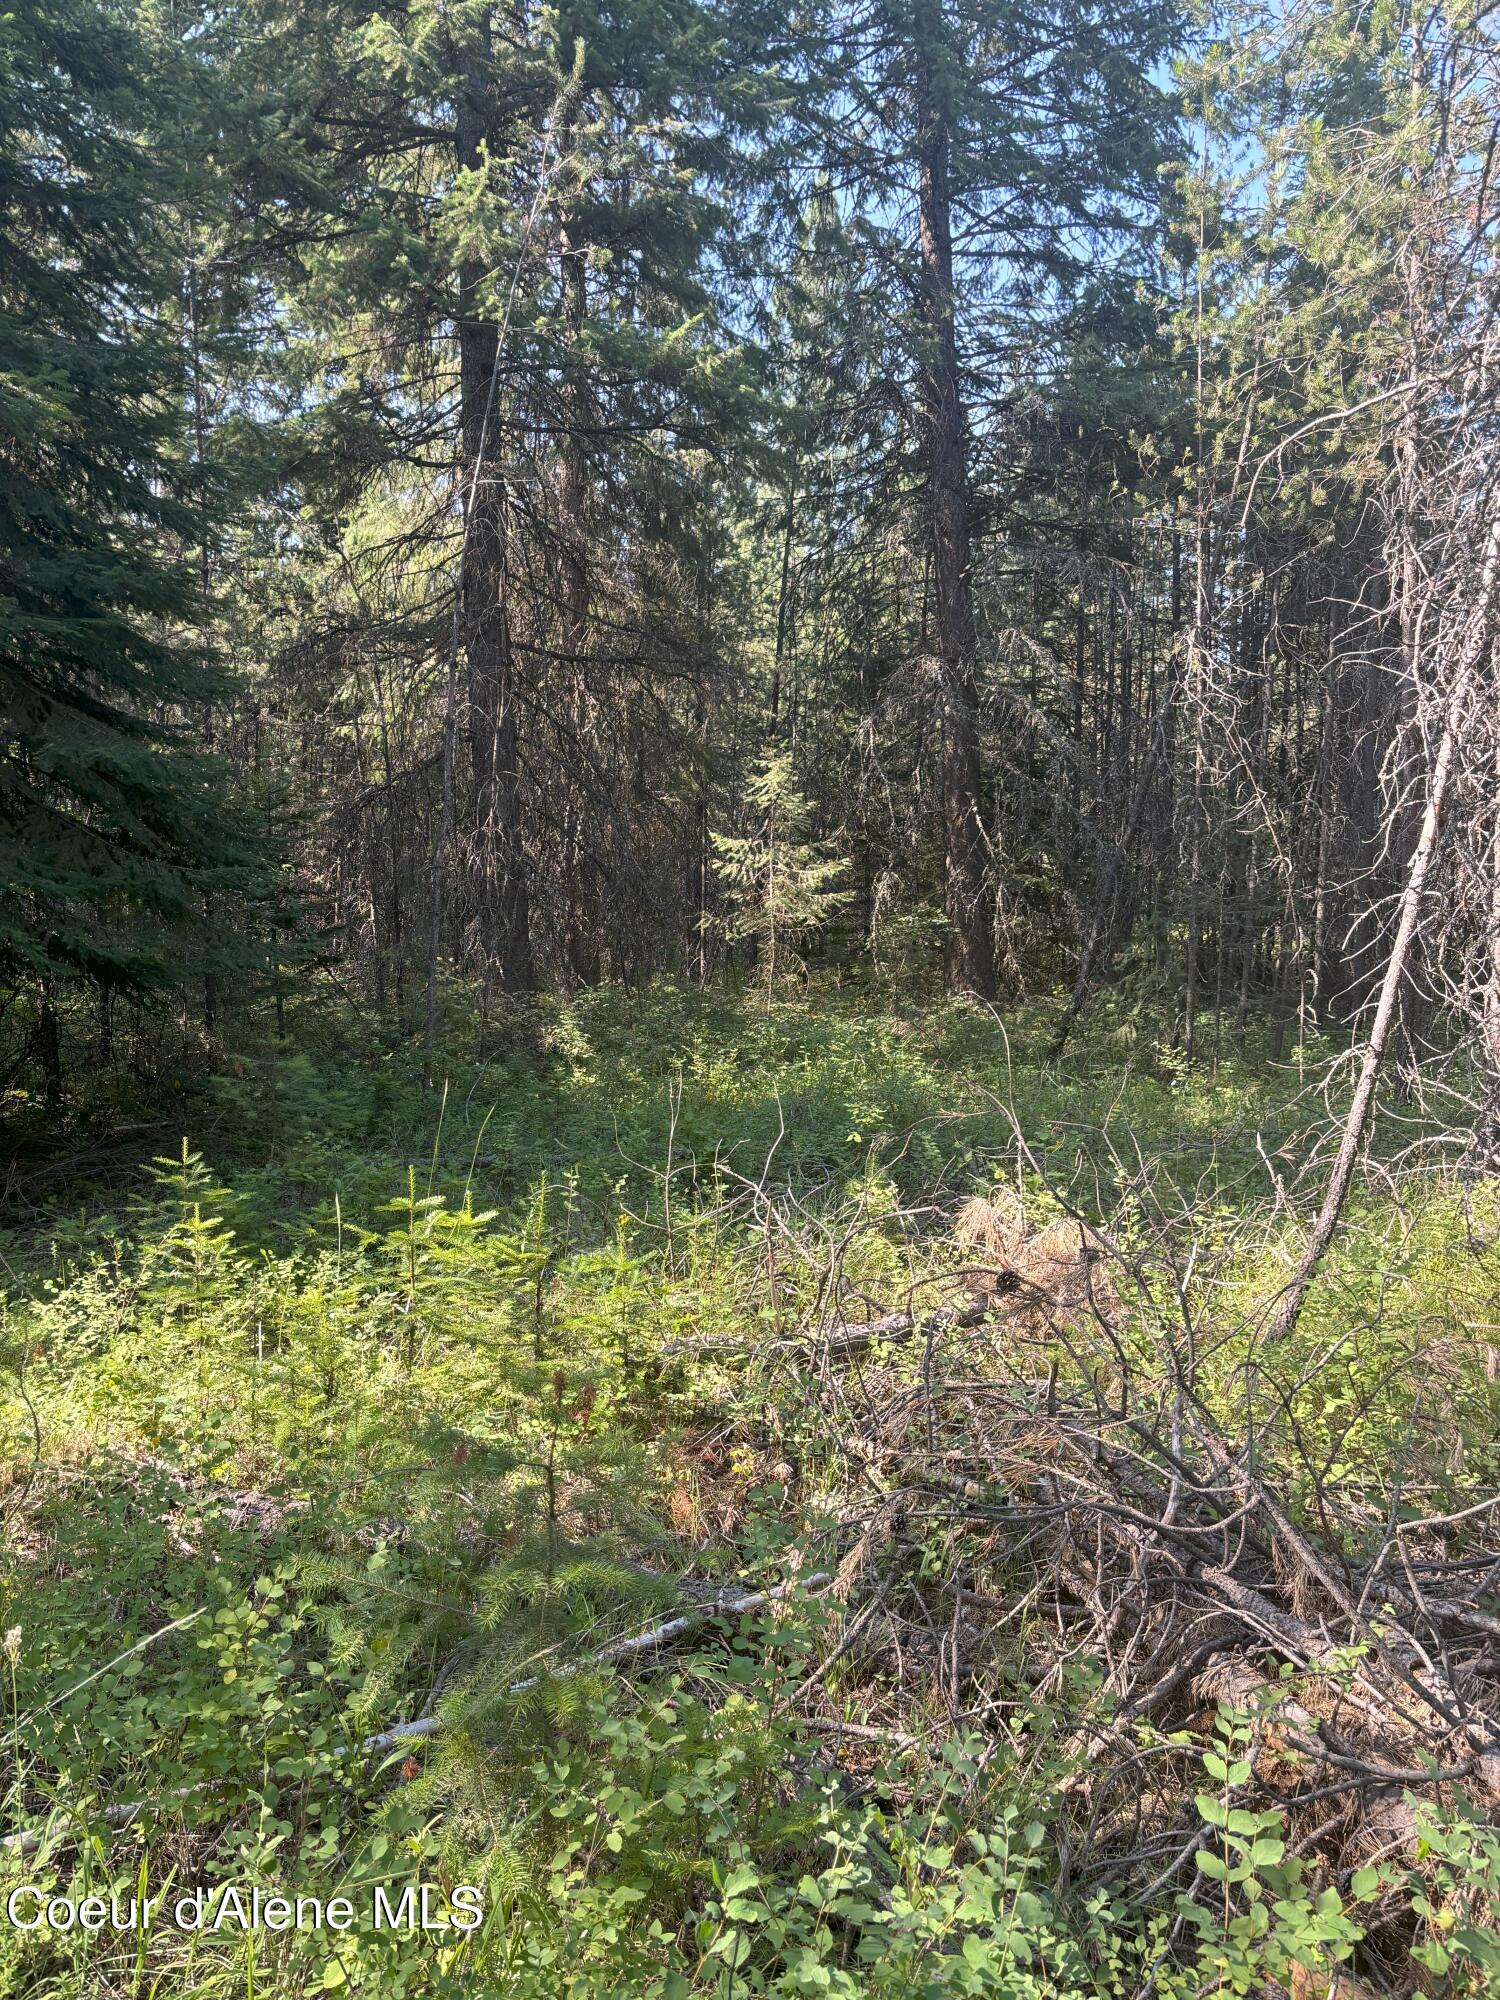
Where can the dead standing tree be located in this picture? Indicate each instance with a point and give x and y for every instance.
(1438, 412)
(1449, 511)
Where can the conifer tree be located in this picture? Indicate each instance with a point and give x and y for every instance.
(114, 828)
(546, 201)
(1009, 152)
(780, 885)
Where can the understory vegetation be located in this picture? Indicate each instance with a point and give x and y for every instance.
(752, 1491)
(749, 999)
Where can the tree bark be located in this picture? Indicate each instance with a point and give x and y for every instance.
(1409, 911)
(49, 1042)
(1102, 926)
(783, 596)
(1492, 986)
(494, 723)
(969, 955)
(576, 593)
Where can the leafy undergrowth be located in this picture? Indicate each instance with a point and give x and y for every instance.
(370, 1402)
(593, 1089)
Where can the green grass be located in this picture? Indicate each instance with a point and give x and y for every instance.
(592, 1086)
(357, 1388)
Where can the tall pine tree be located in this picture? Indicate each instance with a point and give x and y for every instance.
(115, 831)
(1009, 152)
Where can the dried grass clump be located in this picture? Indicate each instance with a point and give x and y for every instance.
(1035, 1286)
(1068, 1263)
(992, 1227)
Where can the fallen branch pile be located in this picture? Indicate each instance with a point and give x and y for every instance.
(1030, 1498)
(1182, 1573)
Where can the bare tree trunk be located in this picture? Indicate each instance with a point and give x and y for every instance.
(581, 942)
(494, 722)
(1099, 943)
(698, 880)
(783, 597)
(1408, 915)
(49, 1042)
(1492, 986)
(970, 946)
(205, 558)
(1322, 963)
(1200, 643)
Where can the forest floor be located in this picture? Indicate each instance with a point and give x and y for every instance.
(784, 1501)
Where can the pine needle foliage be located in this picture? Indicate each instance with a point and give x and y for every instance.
(780, 885)
(115, 830)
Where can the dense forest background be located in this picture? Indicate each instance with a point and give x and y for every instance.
(501, 499)
(750, 994)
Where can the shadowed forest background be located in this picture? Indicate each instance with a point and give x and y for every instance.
(750, 993)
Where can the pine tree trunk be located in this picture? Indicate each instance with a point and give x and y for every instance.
(698, 877)
(969, 952)
(783, 596)
(49, 1043)
(582, 942)
(1407, 921)
(494, 731)
(1286, 1315)
(1491, 1002)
